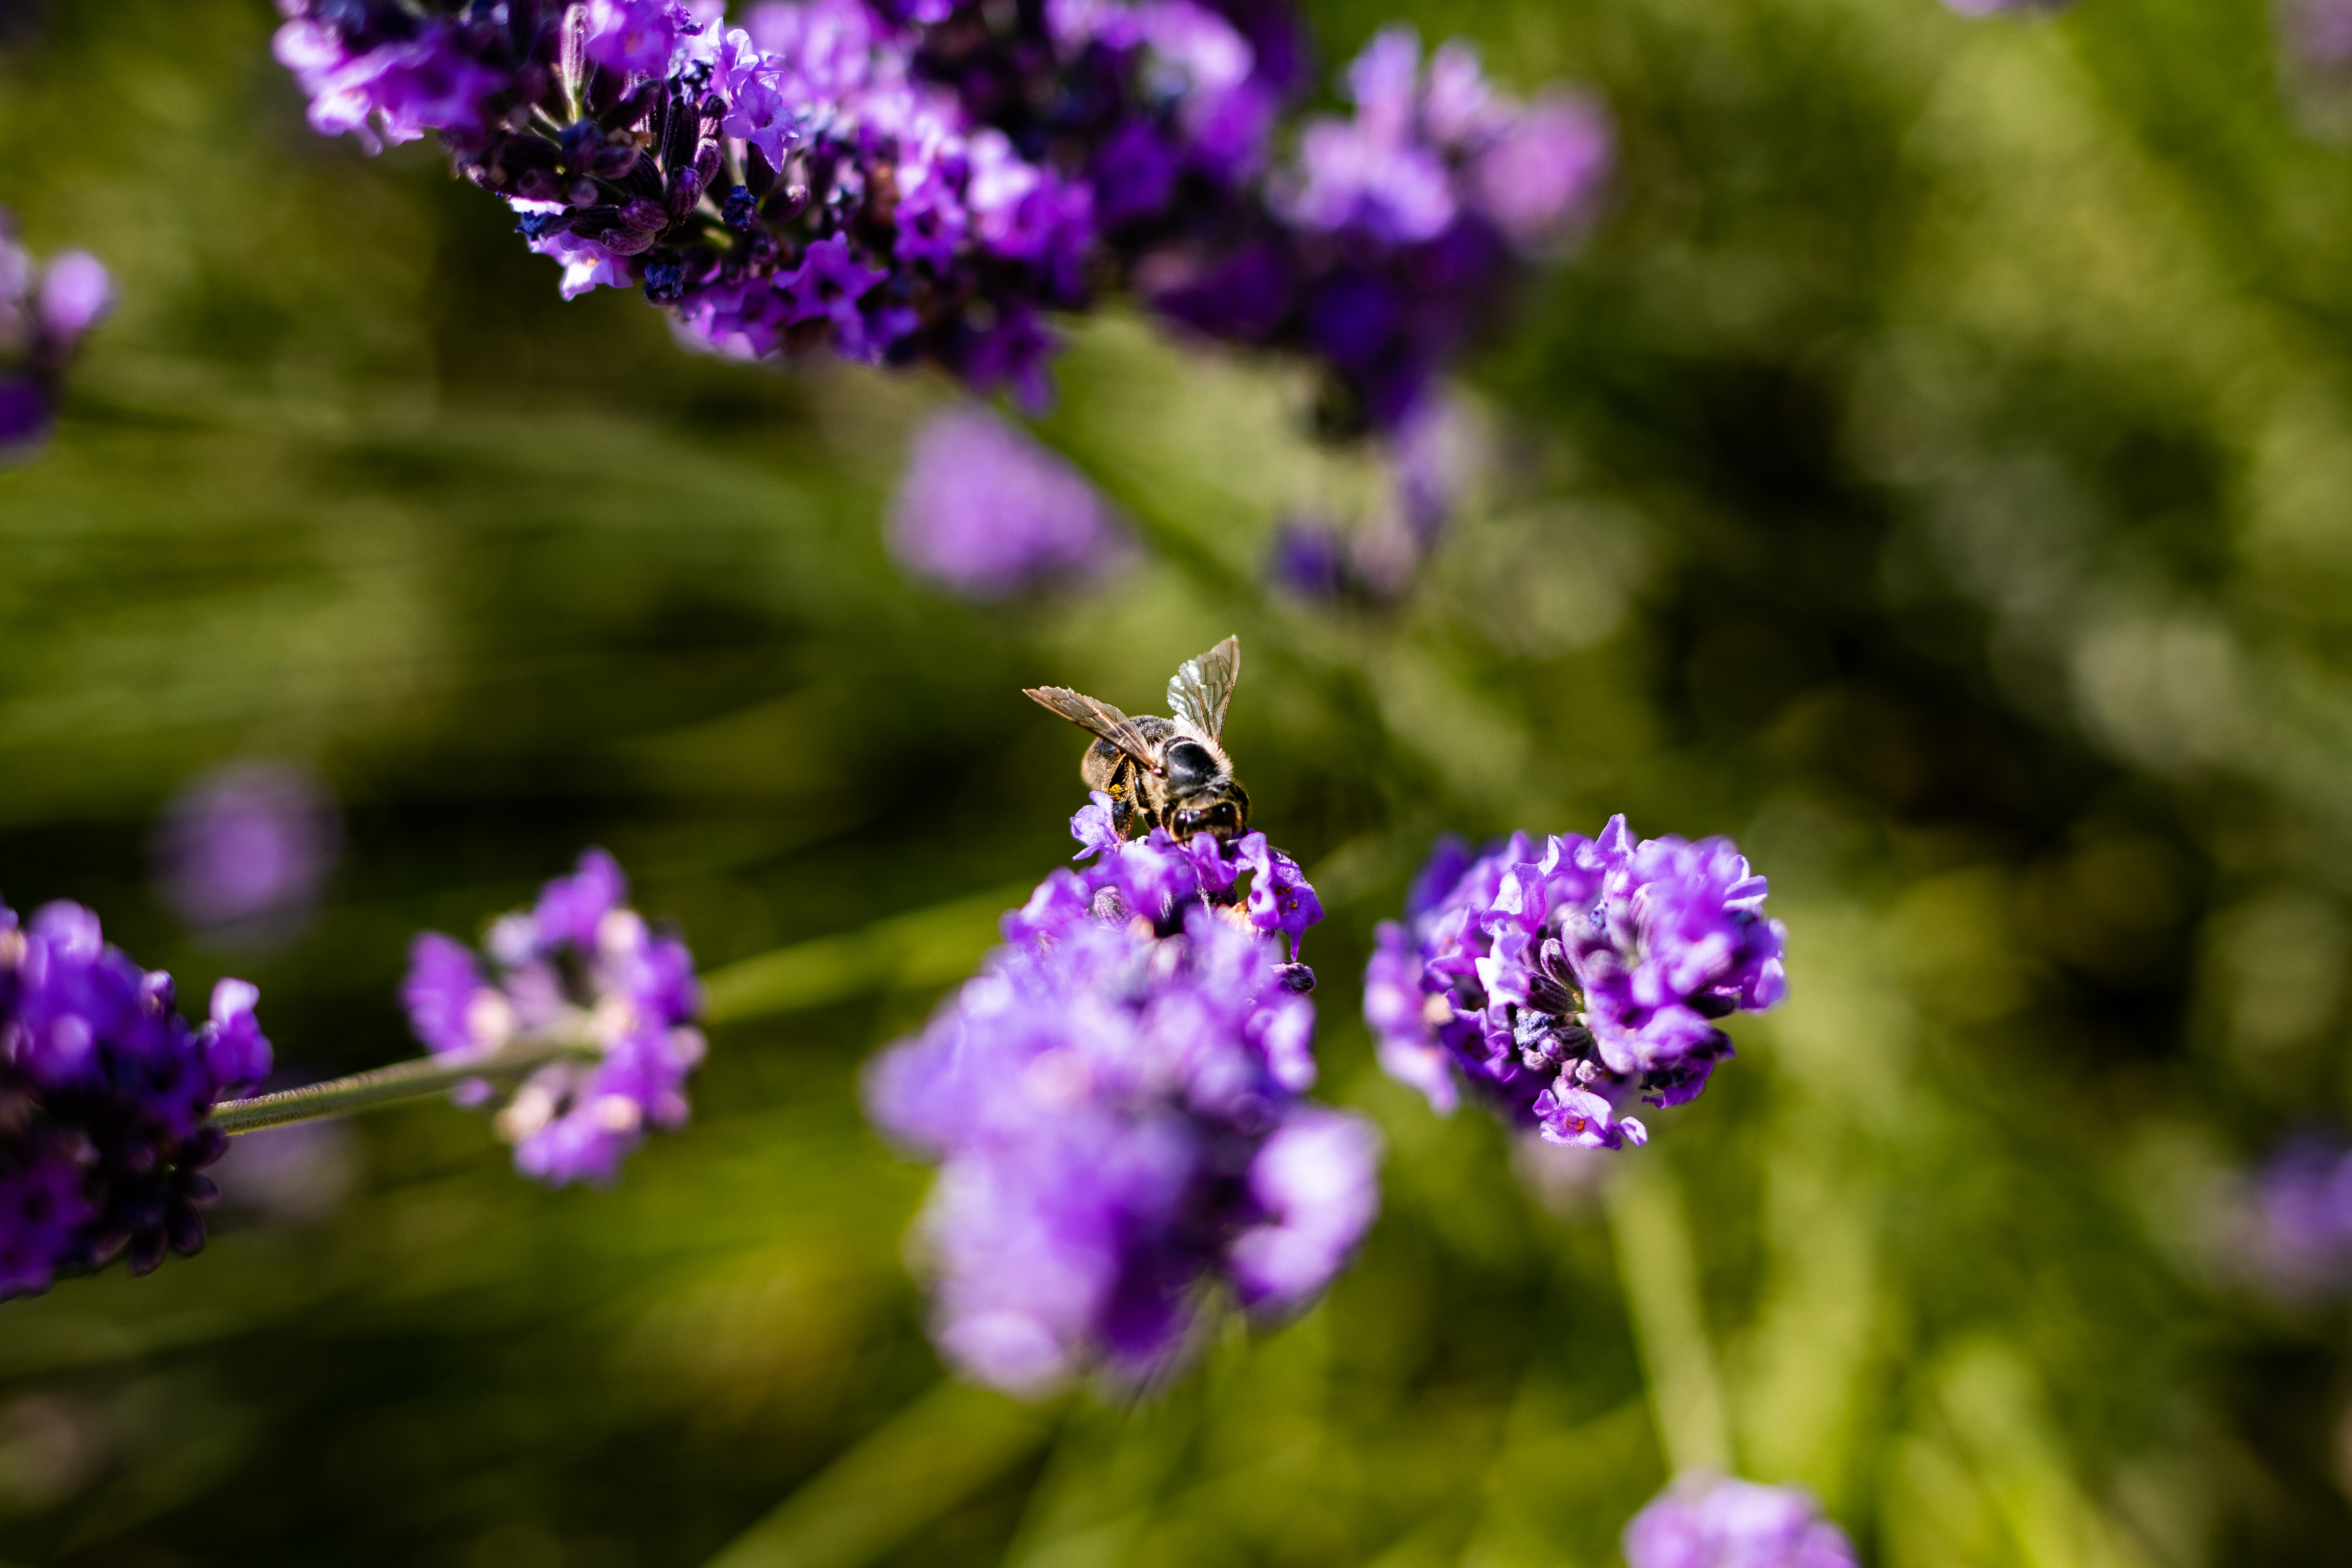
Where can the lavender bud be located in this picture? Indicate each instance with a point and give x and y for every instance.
(678, 131)
(759, 175)
(625, 241)
(738, 212)
(785, 204)
(636, 107)
(529, 152)
(645, 217)
(610, 163)
(665, 282)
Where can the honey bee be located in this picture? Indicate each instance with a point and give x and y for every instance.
(1165, 773)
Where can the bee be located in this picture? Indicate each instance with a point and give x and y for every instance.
(1165, 773)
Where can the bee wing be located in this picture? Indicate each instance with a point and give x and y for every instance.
(1202, 689)
(1088, 713)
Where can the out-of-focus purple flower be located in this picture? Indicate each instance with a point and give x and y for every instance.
(1537, 176)
(242, 851)
(581, 968)
(104, 1090)
(1391, 246)
(1114, 1102)
(384, 75)
(1706, 1521)
(1429, 459)
(1309, 558)
(1563, 982)
(2299, 1244)
(2317, 33)
(987, 512)
(45, 313)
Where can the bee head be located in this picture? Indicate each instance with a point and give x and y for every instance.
(1224, 821)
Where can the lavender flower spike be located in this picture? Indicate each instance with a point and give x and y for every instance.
(1384, 253)
(1713, 1521)
(1115, 1105)
(582, 963)
(1564, 982)
(988, 512)
(104, 1089)
(43, 315)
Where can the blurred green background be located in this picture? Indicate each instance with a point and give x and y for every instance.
(1936, 471)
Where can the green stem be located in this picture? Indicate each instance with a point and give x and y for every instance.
(1661, 1277)
(395, 1085)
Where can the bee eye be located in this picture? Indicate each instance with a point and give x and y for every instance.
(1189, 764)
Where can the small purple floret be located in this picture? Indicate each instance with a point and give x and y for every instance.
(45, 313)
(1114, 1103)
(1713, 1521)
(581, 964)
(104, 1090)
(1564, 982)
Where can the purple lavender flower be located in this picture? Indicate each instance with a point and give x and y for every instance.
(1114, 1102)
(45, 312)
(1563, 983)
(580, 967)
(905, 181)
(1386, 250)
(1713, 1521)
(104, 1092)
(988, 512)
(241, 852)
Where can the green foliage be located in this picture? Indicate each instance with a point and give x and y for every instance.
(1932, 472)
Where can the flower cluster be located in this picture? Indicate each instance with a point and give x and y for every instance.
(986, 511)
(1564, 982)
(579, 970)
(1387, 249)
(1713, 1521)
(912, 180)
(44, 311)
(104, 1092)
(1115, 1105)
